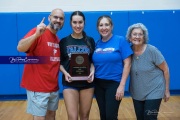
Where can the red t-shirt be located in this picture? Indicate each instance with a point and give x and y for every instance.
(43, 77)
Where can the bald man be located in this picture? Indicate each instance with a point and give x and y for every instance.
(41, 80)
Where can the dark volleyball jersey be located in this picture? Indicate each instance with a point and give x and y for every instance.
(70, 45)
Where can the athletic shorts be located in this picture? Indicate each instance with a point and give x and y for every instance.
(77, 88)
(39, 102)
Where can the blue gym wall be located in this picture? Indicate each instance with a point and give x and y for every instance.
(163, 26)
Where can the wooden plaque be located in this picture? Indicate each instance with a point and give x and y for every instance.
(79, 66)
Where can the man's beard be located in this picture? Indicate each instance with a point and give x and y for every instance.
(55, 27)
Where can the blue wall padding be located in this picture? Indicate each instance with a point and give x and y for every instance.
(163, 27)
(9, 74)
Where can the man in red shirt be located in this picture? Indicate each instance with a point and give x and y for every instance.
(41, 80)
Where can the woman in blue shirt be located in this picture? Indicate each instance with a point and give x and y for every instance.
(112, 61)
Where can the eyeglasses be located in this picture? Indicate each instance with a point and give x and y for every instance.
(137, 35)
(56, 17)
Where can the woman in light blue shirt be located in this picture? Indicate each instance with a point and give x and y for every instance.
(149, 75)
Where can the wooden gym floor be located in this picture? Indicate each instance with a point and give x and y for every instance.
(16, 110)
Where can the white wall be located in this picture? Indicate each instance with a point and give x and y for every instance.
(87, 5)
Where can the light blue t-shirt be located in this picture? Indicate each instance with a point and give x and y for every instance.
(146, 79)
(108, 58)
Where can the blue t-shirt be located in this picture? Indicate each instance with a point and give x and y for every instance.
(108, 58)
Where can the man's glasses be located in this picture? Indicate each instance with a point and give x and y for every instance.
(56, 17)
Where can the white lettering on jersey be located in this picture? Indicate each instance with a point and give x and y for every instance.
(54, 51)
(51, 44)
(105, 50)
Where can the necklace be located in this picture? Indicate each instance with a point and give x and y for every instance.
(135, 64)
(139, 51)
